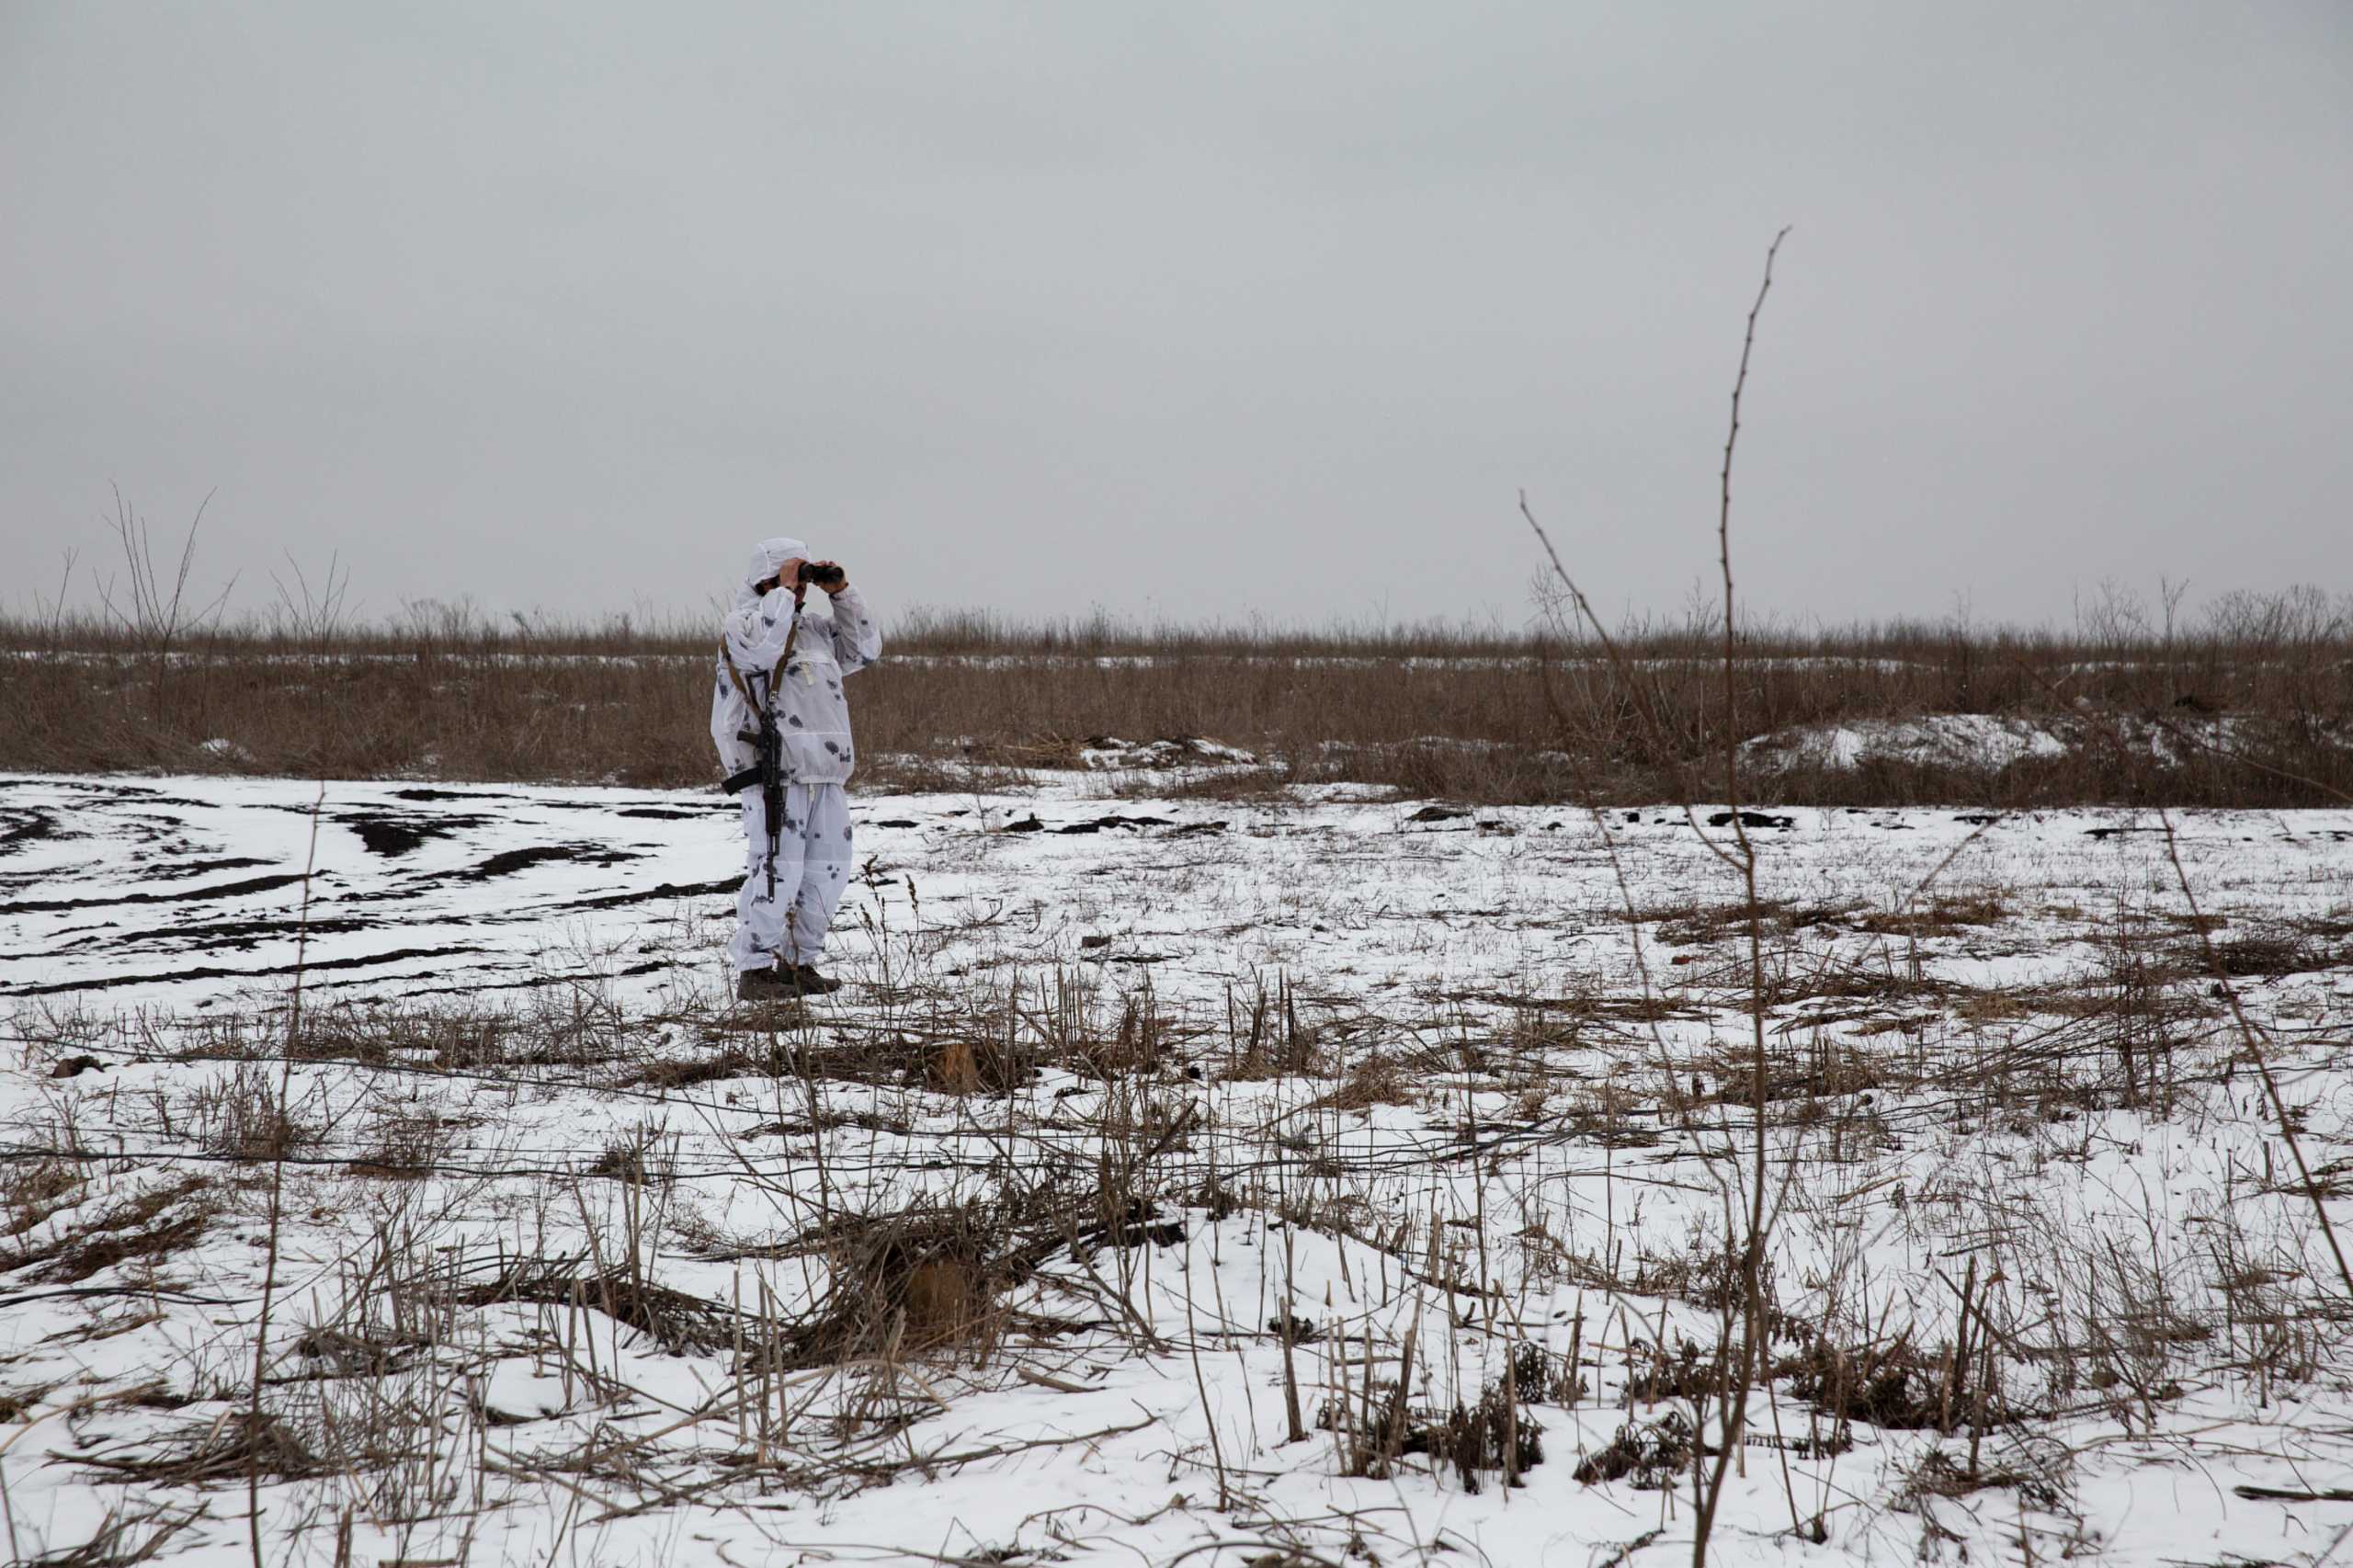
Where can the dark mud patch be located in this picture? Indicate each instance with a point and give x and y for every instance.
(388, 838)
(1131, 824)
(241, 936)
(108, 982)
(456, 795)
(726, 887)
(192, 895)
(537, 981)
(668, 813)
(181, 871)
(392, 836)
(1196, 830)
(24, 825)
(403, 893)
(507, 862)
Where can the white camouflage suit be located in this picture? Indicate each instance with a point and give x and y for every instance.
(812, 858)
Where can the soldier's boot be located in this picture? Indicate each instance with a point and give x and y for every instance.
(810, 982)
(770, 984)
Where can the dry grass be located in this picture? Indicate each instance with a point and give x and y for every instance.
(143, 1227)
(1379, 1082)
(1497, 718)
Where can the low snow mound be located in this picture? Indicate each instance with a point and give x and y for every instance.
(1110, 752)
(1986, 743)
(1101, 754)
(1978, 742)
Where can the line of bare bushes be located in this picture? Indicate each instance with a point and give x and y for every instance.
(2248, 701)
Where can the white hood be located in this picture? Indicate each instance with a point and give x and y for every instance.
(769, 554)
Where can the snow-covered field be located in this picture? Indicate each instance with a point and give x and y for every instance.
(990, 1258)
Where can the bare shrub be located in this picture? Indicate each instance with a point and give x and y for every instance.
(926, 1279)
(242, 1116)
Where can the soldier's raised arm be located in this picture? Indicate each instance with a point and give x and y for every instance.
(858, 636)
(756, 633)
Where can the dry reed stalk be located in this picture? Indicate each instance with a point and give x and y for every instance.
(277, 1192)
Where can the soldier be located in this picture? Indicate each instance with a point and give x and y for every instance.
(777, 661)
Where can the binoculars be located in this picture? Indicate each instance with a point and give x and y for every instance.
(812, 576)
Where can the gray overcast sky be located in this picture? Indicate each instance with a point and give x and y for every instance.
(1200, 309)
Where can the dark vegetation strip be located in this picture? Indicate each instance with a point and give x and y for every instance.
(107, 982)
(187, 895)
(1493, 718)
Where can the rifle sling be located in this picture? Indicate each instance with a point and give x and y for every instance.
(735, 674)
(791, 635)
(751, 775)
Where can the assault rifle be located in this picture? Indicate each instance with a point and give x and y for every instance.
(768, 772)
(768, 741)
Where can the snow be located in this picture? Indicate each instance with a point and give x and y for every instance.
(1974, 741)
(1989, 742)
(1534, 1186)
(1110, 753)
